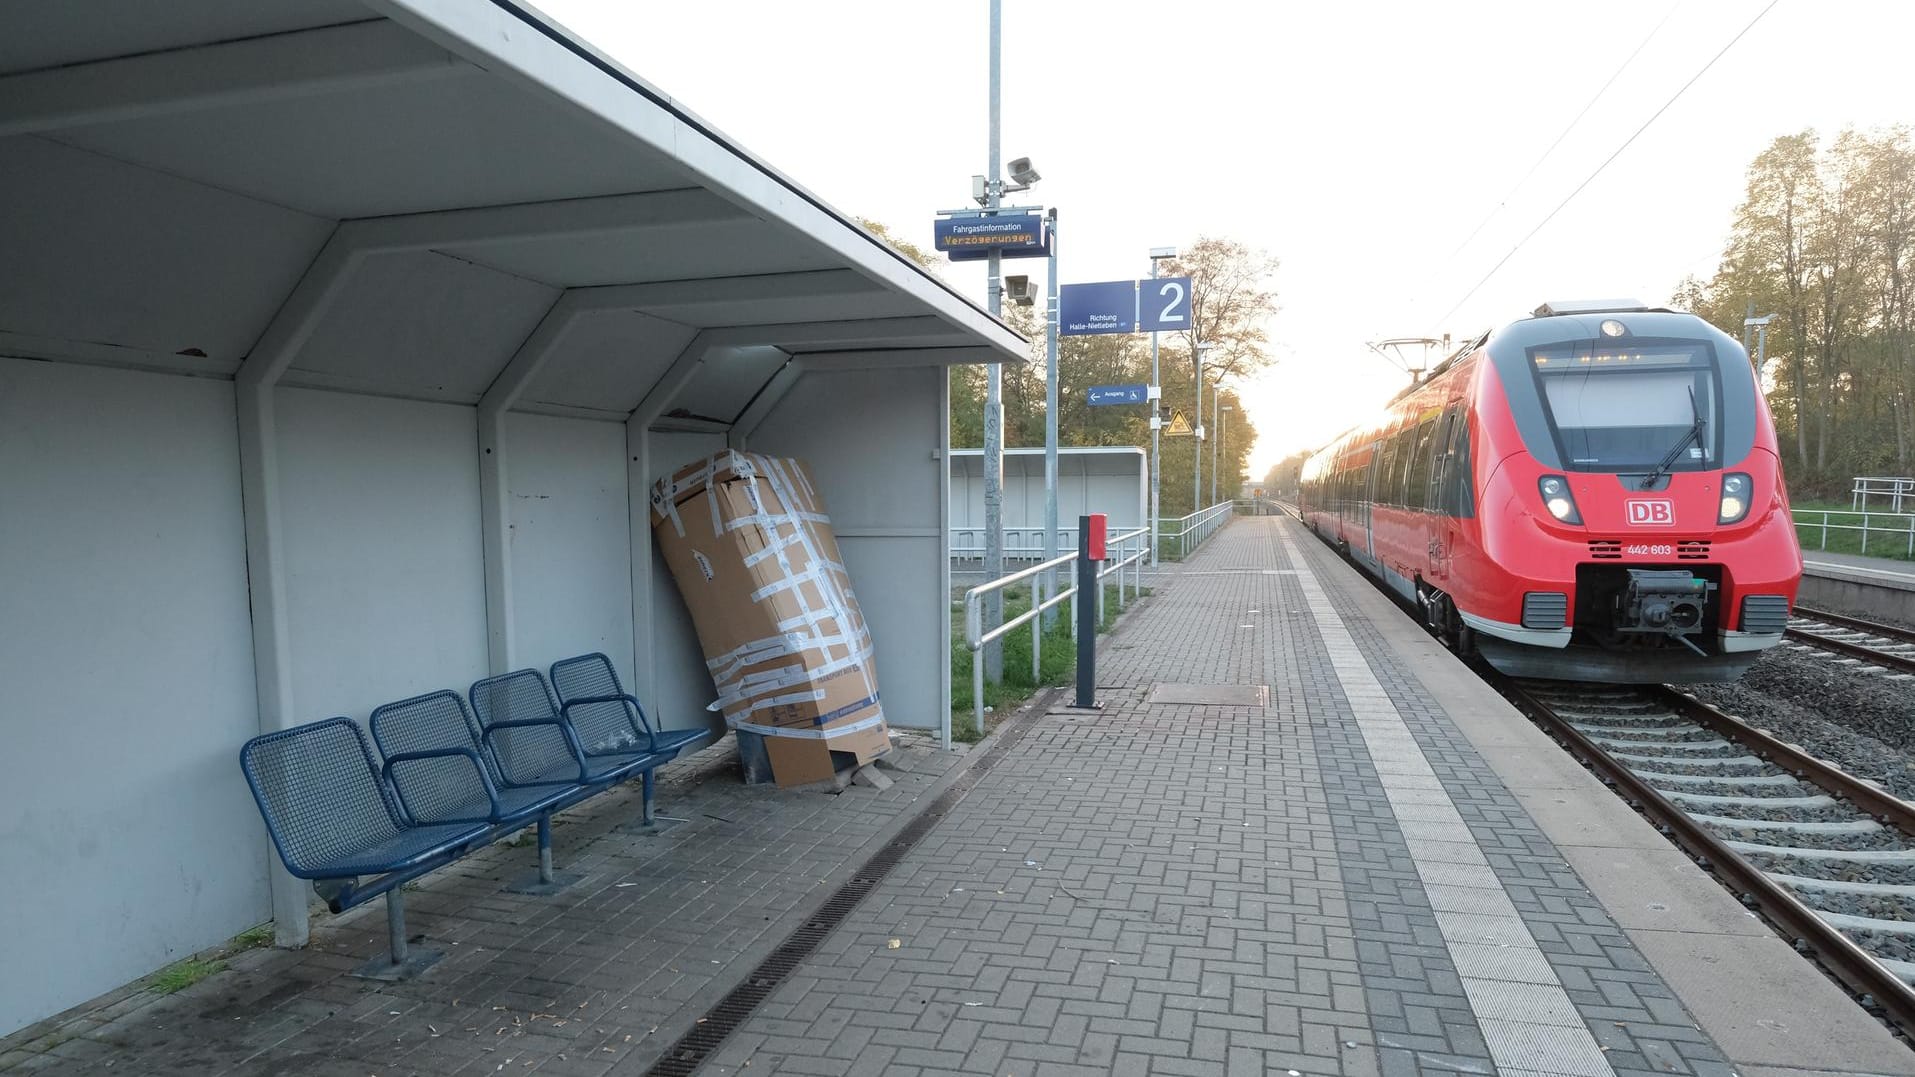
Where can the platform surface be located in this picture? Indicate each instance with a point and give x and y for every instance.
(1385, 870)
(1885, 570)
(1377, 868)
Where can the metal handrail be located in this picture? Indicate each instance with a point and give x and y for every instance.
(1894, 487)
(1203, 523)
(976, 639)
(1904, 528)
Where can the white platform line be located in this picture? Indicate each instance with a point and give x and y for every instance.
(1528, 1020)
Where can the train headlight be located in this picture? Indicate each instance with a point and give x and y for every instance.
(1735, 498)
(1557, 499)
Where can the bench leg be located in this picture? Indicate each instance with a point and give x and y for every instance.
(545, 849)
(545, 881)
(645, 816)
(401, 962)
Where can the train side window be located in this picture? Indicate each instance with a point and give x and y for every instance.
(1406, 445)
(1456, 478)
(1420, 464)
(1439, 448)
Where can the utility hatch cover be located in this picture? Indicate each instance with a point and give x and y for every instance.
(1211, 695)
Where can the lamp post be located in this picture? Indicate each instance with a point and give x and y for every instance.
(1197, 446)
(1221, 412)
(1156, 394)
(989, 190)
(1761, 326)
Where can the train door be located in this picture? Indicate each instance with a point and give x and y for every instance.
(1449, 472)
(1369, 500)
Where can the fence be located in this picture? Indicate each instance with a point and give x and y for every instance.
(1181, 537)
(1893, 533)
(1137, 544)
(1899, 491)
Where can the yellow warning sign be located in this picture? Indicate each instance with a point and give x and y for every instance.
(1179, 426)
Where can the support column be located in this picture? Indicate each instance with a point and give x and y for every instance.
(495, 513)
(253, 387)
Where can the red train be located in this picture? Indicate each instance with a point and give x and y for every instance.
(1592, 493)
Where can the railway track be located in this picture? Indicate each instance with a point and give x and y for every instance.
(1827, 857)
(1881, 645)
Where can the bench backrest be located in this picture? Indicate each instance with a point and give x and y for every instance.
(602, 727)
(436, 788)
(523, 754)
(319, 791)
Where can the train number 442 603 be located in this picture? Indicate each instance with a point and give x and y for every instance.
(1644, 549)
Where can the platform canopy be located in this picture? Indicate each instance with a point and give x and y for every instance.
(425, 199)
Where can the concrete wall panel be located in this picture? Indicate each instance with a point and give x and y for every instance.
(571, 540)
(874, 440)
(128, 838)
(385, 570)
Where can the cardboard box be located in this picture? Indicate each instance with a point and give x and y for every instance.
(749, 543)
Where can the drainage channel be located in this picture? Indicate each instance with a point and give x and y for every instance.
(718, 1023)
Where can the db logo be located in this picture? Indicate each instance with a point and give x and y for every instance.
(1651, 512)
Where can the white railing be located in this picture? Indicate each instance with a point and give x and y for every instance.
(1186, 534)
(1127, 551)
(1899, 490)
(1893, 530)
(1020, 543)
(1258, 506)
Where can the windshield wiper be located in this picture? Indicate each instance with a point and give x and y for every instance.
(1694, 434)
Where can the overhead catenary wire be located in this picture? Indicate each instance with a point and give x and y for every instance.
(1503, 202)
(1607, 161)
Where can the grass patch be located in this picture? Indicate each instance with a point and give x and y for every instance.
(181, 975)
(1889, 533)
(251, 939)
(1057, 660)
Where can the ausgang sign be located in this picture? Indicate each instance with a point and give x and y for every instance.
(1012, 235)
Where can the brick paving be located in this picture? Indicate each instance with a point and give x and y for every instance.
(1185, 889)
(1159, 888)
(600, 977)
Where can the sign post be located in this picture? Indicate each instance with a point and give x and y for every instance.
(1090, 558)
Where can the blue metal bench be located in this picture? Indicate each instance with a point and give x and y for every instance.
(443, 770)
(333, 818)
(534, 744)
(599, 708)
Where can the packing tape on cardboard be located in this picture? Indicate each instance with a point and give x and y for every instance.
(858, 726)
(779, 647)
(781, 485)
(772, 680)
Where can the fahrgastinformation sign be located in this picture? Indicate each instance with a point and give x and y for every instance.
(1012, 235)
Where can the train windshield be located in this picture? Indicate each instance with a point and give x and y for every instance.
(1629, 405)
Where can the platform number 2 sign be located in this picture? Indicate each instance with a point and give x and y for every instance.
(1163, 304)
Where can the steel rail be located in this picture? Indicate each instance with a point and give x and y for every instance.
(1839, 954)
(1899, 662)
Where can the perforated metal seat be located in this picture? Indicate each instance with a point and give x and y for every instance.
(442, 771)
(533, 743)
(599, 708)
(329, 813)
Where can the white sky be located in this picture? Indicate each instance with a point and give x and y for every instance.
(1360, 143)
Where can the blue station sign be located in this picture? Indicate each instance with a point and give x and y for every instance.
(1160, 304)
(1100, 396)
(1090, 309)
(1163, 304)
(1012, 235)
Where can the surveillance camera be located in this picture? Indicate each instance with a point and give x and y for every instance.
(1022, 172)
